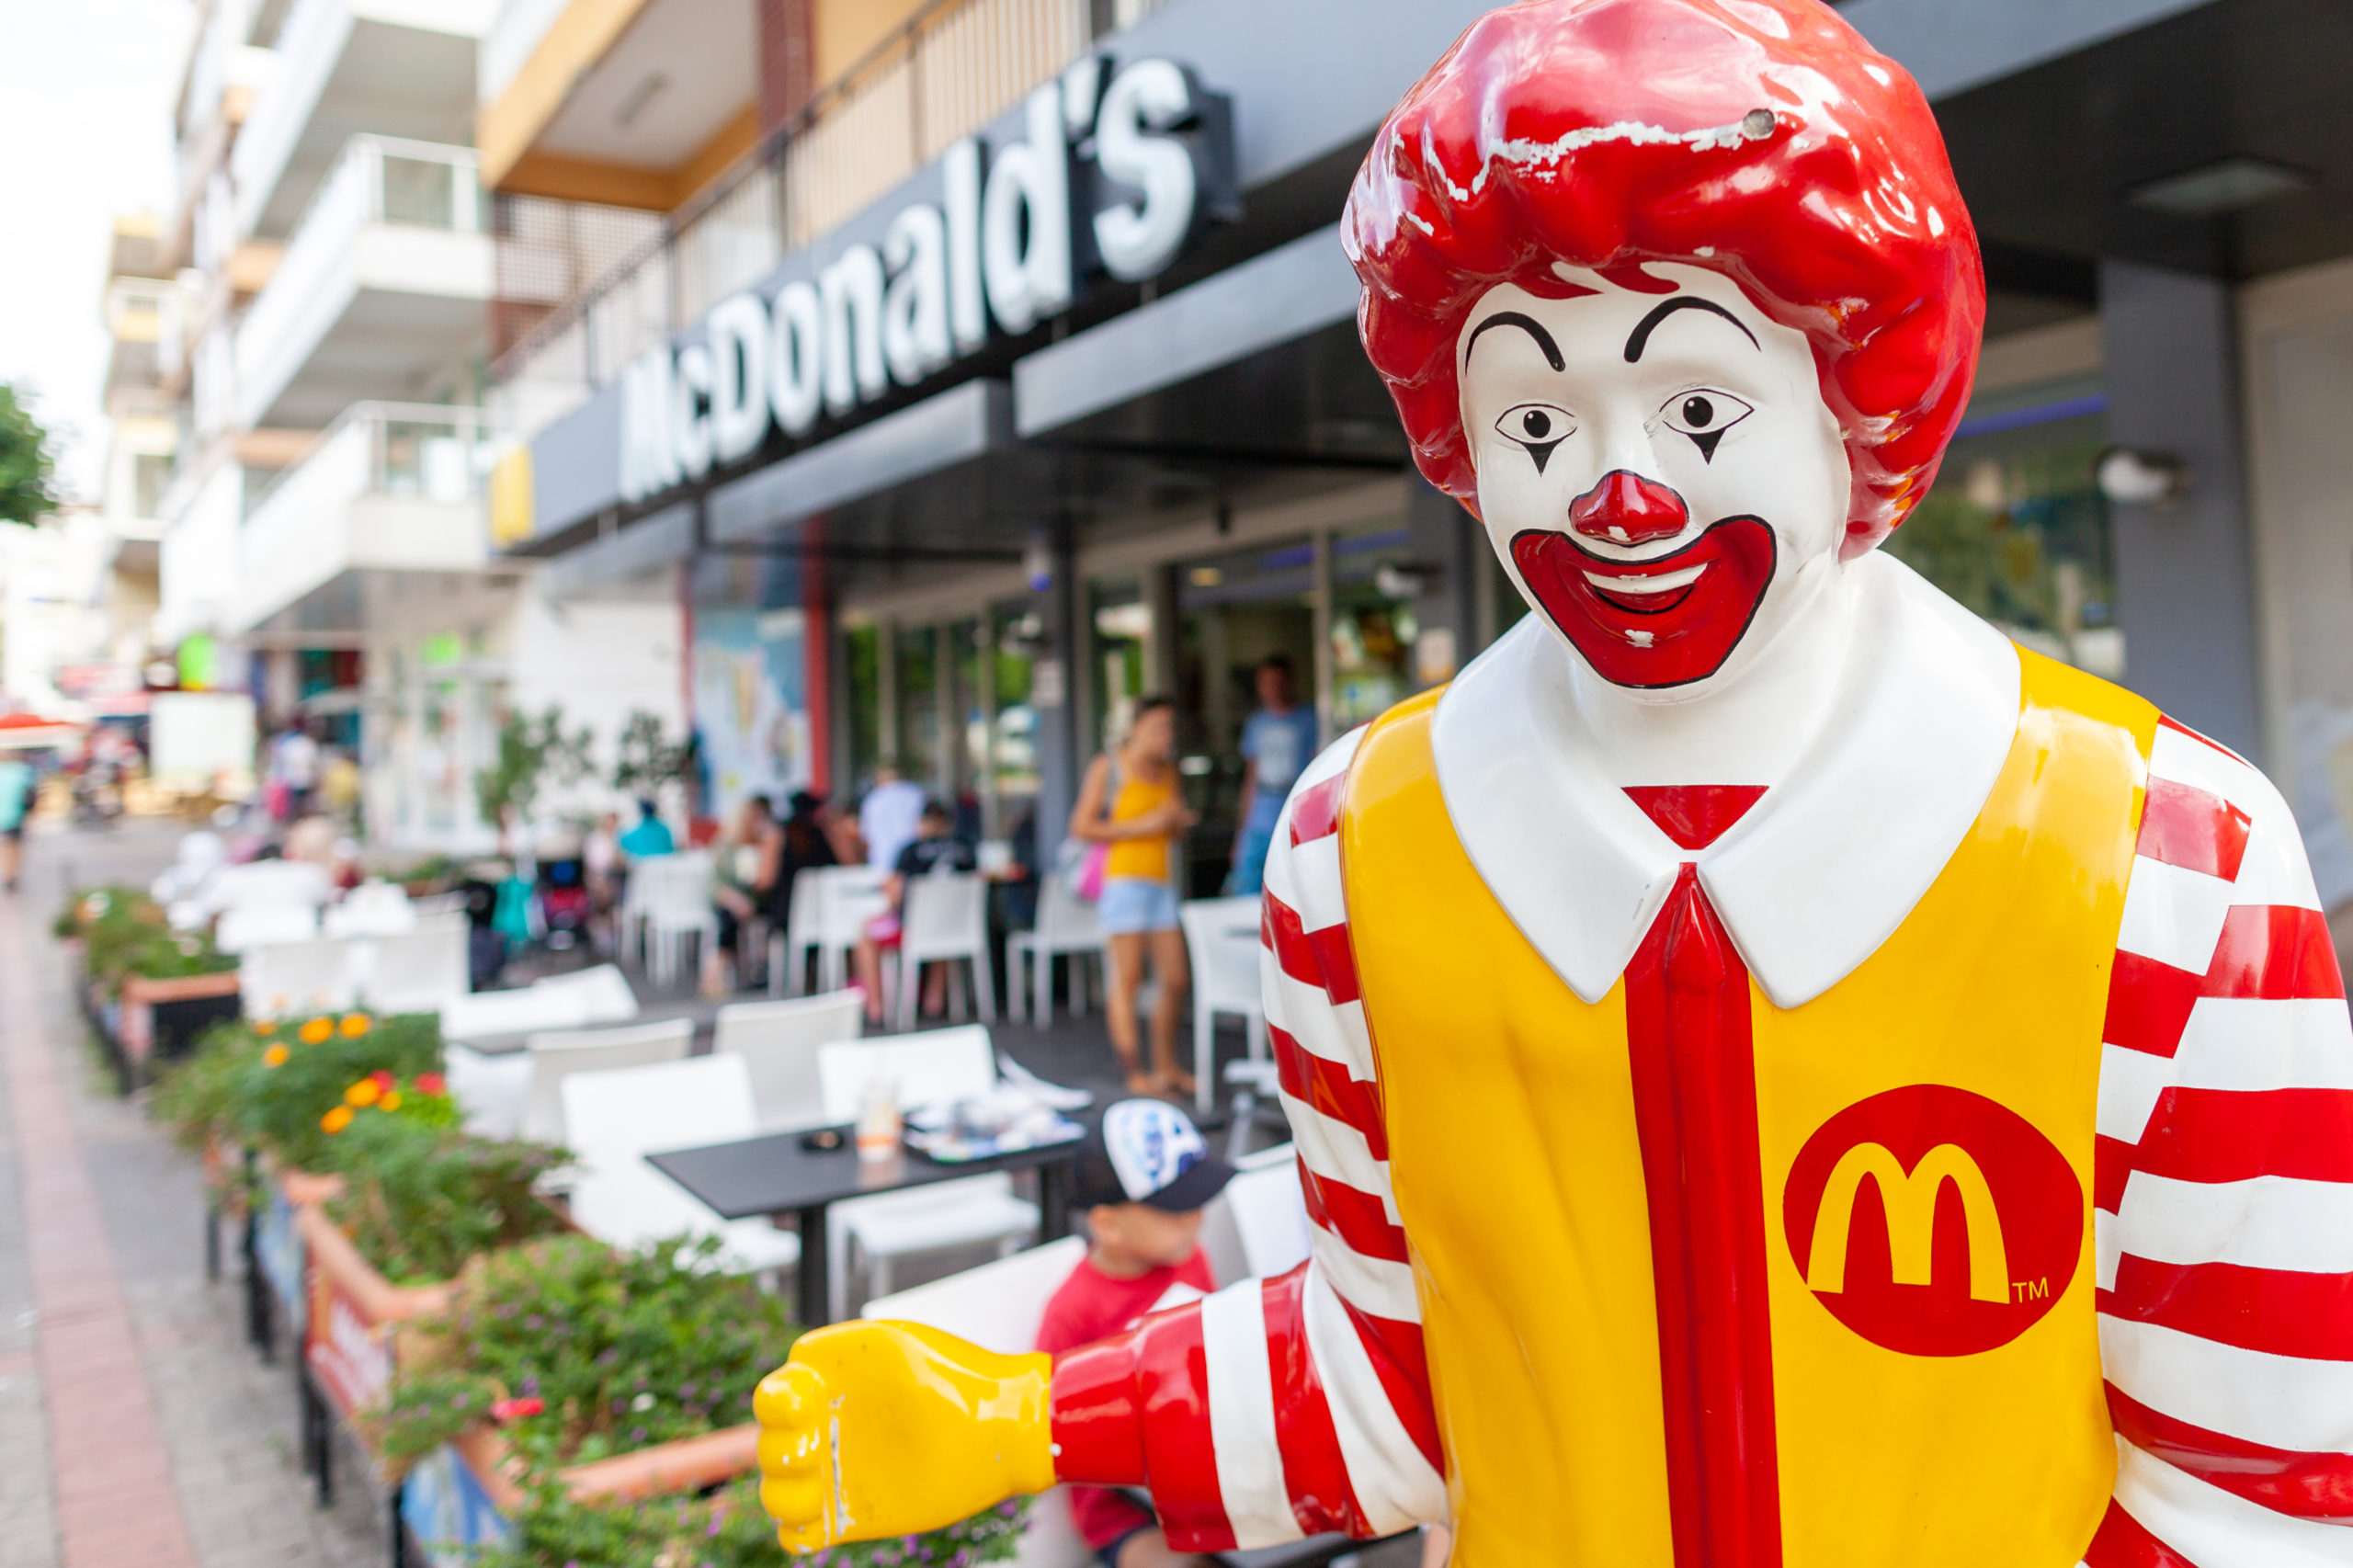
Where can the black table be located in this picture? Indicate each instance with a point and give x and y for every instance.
(776, 1174)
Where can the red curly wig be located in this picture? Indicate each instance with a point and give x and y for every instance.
(1763, 138)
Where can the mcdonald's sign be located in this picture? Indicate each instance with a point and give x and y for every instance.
(1934, 1221)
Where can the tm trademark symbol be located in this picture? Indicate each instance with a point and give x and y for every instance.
(2029, 1290)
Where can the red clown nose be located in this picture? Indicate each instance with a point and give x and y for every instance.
(1626, 508)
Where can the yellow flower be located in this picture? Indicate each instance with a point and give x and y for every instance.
(276, 1055)
(355, 1025)
(365, 1092)
(335, 1120)
(391, 1100)
(316, 1031)
(264, 1026)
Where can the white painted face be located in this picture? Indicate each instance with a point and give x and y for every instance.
(1658, 471)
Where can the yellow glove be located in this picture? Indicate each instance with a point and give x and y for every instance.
(877, 1429)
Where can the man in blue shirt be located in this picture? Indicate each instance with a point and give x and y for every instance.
(1277, 743)
(648, 836)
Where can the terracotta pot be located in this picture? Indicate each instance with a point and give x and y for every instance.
(179, 988)
(349, 1341)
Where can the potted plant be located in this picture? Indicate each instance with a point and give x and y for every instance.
(149, 990)
(531, 752)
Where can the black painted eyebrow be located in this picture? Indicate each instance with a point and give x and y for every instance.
(1529, 324)
(1642, 334)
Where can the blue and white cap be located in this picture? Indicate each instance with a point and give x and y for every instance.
(1148, 1151)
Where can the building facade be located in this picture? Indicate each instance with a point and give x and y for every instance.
(1008, 371)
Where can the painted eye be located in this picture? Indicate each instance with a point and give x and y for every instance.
(1538, 426)
(1705, 415)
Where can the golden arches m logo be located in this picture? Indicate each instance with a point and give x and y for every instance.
(1934, 1221)
(1910, 1201)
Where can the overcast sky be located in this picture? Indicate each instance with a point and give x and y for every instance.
(86, 103)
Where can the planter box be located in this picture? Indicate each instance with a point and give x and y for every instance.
(457, 1500)
(162, 1020)
(281, 1250)
(348, 1341)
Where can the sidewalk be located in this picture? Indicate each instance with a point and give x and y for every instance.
(137, 1431)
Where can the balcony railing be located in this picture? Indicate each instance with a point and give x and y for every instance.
(414, 450)
(950, 69)
(378, 180)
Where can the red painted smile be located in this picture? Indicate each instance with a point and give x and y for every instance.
(1667, 621)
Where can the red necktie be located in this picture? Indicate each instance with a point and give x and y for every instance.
(1695, 1109)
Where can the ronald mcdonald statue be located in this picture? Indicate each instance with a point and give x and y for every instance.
(1779, 1073)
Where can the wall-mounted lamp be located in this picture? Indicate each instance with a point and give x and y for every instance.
(1405, 579)
(2132, 478)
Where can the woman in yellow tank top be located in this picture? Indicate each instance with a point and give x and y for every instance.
(1130, 803)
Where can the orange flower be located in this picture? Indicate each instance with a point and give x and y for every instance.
(264, 1026)
(356, 1024)
(391, 1100)
(365, 1092)
(276, 1055)
(335, 1120)
(316, 1031)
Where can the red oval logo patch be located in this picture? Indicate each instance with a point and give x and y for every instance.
(1934, 1221)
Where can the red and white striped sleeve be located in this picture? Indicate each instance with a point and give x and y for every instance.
(1284, 1407)
(2224, 1210)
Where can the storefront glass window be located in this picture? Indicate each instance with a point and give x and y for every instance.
(1120, 623)
(1234, 612)
(919, 739)
(2016, 530)
(861, 674)
(1372, 632)
(1013, 729)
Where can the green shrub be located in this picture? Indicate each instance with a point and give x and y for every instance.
(269, 1085)
(420, 1196)
(124, 932)
(726, 1530)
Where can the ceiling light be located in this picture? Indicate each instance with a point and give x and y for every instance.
(2211, 190)
(644, 93)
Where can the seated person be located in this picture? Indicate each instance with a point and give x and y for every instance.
(744, 871)
(1143, 1179)
(932, 852)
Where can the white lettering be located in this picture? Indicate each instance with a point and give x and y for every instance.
(1025, 220)
(739, 394)
(852, 291)
(690, 403)
(649, 457)
(797, 371)
(1139, 241)
(959, 174)
(915, 307)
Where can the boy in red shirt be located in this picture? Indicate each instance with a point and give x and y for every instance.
(1142, 1178)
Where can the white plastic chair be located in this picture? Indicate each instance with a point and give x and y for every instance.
(371, 909)
(618, 1116)
(268, 884)
(1065, 929)
(242, 930)
(555, 1057)
(677, 911)
(998, 1306)
(603, 993)
(852, 896)
(581, 1000)
(946, 920)
(937, 1068)
(490, 1090)
(778, 1041)
(280, 979)
(418, 970)
(803, 934)
(1225, 979)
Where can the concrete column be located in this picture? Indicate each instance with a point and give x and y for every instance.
(1449, 546)
(2184, 572)
(1056, 675)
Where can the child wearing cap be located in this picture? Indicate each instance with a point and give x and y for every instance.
(1143, 1179)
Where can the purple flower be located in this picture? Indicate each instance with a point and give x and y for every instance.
(715, 1522)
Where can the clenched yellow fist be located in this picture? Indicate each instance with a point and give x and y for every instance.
(877, 1429)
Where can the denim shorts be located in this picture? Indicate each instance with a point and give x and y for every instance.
(1131, 904)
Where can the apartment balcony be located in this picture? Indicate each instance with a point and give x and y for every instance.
(389, 489)
(385, 281)
(400, 68)
(949, 70)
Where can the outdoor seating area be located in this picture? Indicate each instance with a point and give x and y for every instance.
(774, 1143)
